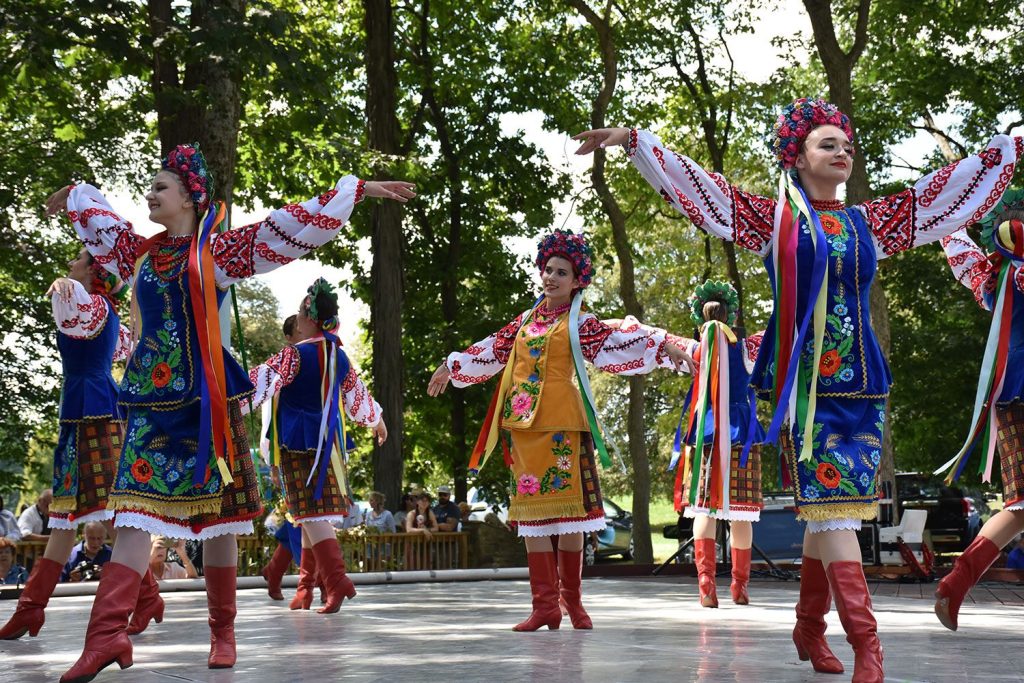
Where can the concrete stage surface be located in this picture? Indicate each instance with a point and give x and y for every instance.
(645, 630)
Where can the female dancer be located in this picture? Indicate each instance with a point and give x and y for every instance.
(308, 384)
(997, 281)
(185, 470)
(828, 381)
(89, 338)
(720, 479)
(552, 433)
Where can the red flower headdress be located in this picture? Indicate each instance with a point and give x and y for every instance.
(190, 166)
(570, 246)
(797, 120)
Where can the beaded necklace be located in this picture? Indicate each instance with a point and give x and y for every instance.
(168, 257)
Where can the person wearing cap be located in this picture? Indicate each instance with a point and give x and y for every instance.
(446, 512)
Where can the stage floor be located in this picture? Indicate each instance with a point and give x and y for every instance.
(646, 630)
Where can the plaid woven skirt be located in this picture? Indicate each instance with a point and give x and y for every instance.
(84, 465)
(1010, 421)
(302, 505)
(745, 501)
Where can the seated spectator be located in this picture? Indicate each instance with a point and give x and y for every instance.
(10, 573)
(163, 568)
(377, 517)
(465, 510)
(89, 556)
(446, 512)
(8, 524)
(421, 519)
(34, 522)
(407, 505)
(1015, 560)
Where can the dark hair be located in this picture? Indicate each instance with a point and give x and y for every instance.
(326, 306)
(289, 325)
(1012, 213)
(715, 310)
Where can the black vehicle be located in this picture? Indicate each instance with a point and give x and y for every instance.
(953, 515)
(615, 539)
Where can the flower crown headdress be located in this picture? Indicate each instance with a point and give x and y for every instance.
(713, 290)
(993, 236)
(571, 246)
(189, 164)
(797, 120)
(322, 286)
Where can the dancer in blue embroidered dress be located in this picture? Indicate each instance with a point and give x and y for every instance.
(185, 469)
(89, 338)
(821, 364)
(718, 482)
(997, 281)
(307, 433)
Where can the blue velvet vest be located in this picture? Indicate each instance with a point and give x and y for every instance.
(299, 405)
(89, 391)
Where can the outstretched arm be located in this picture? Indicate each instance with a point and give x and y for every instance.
(629, 347)
(479, 362)
(109, 238)
(77, 313)
(970, 266)
(942, 202)
(270, 376)
(360, 405)
(707, 199)
(295, 230)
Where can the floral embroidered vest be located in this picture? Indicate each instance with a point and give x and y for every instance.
(162, 372)
(543, 395)
(852, 365)
(300, 406)
(89, 390)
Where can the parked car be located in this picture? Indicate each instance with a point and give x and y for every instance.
(615, 539)
(954, 518)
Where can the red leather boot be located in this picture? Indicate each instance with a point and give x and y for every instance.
(853, 602)
(275, 569)
(150, 605)
(544, 587)
(331, 565)
(570, 574)
(704, 557)
(967, 571)
(28, 617)
(740, 576)
(307, 579)
(106, 639)
(221, 584)
(809, 632)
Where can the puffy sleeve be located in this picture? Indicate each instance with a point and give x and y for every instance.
(270, 376)
(108, 237)
(627, 347)
(711, 203)
(124, 344)
(944, 201)
(82, 316)
(359, 403)
(751, 349)
(970, 266)
(486, 358)
(286, 234)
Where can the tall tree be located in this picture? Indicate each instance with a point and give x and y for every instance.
(386, 243)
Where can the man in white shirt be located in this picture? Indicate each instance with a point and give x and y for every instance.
(35, 519)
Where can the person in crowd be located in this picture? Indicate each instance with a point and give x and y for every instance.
(446, 512)
(8, 524)
(377, 517)
(420, 521)
(34, 521)
(162, 567)
(11, 573)
(407, 505)
(88, 556)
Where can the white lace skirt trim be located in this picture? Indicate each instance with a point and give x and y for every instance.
(333, 519)
(1015, 506)
(162, 527)
(730, 515)
(561, 528)
(65, 523)
(840, 524)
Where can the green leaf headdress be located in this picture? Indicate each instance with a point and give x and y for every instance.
(714, 290)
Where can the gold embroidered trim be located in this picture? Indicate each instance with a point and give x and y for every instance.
(530, 509)
(64, 504)
(176, 508)
(827, 511)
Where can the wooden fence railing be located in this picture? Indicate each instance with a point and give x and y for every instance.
(363, 552)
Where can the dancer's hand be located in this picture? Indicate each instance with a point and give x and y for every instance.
(399, 190)
(57, 202)
(439, 381)
(601, 137)
(62, 286)
(680, 358)
(380, 432)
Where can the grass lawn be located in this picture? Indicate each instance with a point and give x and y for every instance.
(662, 514)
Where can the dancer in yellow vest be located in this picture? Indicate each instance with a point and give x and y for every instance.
(550, 421)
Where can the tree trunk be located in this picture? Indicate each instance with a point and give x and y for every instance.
(386, 246)
(643, 552)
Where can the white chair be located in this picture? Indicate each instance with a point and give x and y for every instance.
(910, 531)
